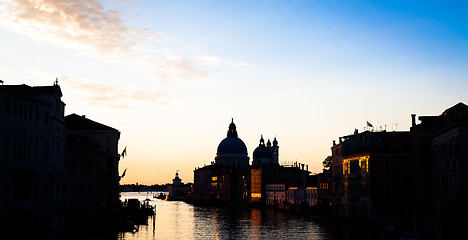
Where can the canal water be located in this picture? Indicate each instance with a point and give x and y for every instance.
(179, 220)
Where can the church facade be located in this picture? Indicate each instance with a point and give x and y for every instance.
(226, 179)
(232, 179)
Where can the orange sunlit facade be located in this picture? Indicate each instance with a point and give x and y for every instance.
(355, 184)
(256, 185)
(356, 165)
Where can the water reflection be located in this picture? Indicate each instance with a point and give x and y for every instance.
(178, 220)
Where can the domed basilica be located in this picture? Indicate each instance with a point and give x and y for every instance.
(232, 151)
(231, 179)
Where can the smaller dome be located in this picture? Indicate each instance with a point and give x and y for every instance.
(261, 152)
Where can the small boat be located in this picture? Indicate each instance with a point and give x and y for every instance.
(161, 196)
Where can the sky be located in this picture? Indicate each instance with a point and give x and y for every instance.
(170, 75)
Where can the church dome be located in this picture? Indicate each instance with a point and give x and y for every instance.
(261, 152)
(232, 145)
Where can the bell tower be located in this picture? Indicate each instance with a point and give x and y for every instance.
(275, 151)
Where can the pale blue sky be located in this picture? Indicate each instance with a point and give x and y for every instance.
(171, 74)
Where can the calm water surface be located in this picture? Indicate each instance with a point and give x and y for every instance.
(179, 220)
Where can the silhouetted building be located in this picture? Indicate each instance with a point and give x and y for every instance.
(415, 180)
(337, 186)
(275, 195)
(103, 143)
(372, 180)
(312, 196)
(268, 154)
(82, 161)
(272, 174)
(231, 179)
(442, 139)
(324, 191)
(225, 180)
(33, 190)
(177, 190)
(266, 171)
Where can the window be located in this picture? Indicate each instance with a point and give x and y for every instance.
(387, 189)
(30, 113)
(26, 112)
(387, 166)
(7, 106)
(21, 110)
(346, 188)
(15, 109)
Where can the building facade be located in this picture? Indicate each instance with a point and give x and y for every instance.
(447, 138)
(32, 169)
(104, 140)
(226, 180)
(370, 173)
(177, 190)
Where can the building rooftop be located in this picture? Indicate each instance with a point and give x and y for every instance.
(28, 90)
(76, 122)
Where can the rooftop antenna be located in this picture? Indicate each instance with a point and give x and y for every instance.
(56, 81)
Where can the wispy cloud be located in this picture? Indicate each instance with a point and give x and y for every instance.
(121, 97)
(215, 61)
(85, 22)
(96, 29)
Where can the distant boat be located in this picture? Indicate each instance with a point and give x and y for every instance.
(161, 196)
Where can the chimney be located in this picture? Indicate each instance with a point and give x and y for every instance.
(307, 167)
(302, 166)
(413, 120)
(334, 142)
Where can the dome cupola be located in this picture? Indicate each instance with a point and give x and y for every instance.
(261, 154)
(232, 150)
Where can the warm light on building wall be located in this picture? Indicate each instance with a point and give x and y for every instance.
(363, 162)
(256, 195)
(214, 179)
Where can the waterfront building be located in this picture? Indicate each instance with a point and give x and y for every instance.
(446, 136)
(336, 186)
(84, 172)
(266, 171)
(296, 197)
(312, 196)
(103, 143)
(33, 192)
(301, 197)
(177, 190)
(269, 174)
(324, 191)
(230, 178)
(414, 180)
(275, 195)
(93, 180)
(226, 179)
(374, 175)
